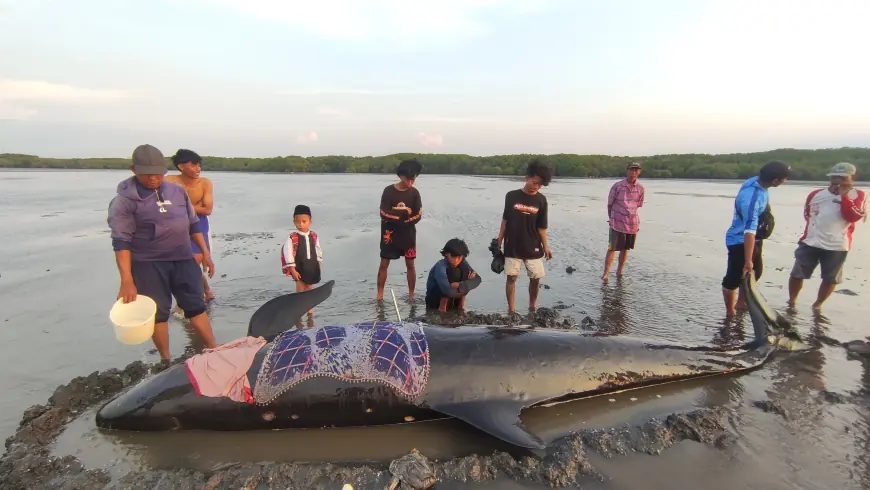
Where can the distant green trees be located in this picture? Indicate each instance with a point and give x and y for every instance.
(807, 164)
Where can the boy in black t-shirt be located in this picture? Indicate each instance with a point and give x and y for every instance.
(524, 232)
(401, 209)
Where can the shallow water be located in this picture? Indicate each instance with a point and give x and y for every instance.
(58, 281)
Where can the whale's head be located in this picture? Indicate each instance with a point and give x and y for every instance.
(159, 402)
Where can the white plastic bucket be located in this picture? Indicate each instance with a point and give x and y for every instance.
(134, 321)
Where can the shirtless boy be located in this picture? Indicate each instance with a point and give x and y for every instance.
(199, 190)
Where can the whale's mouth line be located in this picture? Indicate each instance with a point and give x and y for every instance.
(571, 397)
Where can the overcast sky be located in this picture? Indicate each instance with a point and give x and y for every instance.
(361, 77)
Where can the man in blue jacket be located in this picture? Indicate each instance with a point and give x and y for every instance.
(744, 255)
(451, 278)
(152, 223)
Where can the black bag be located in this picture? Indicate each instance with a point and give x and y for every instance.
(497, 264)
(766, 222)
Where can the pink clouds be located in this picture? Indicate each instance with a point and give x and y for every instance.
(306, 138)
(428, 140)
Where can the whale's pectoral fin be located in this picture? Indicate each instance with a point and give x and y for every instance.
(498, 419)
(281, 314)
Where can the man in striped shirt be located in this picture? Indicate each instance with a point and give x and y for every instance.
(626, 196)
(830, 214)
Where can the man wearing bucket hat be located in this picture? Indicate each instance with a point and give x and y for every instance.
(152, 224)
(830, 214)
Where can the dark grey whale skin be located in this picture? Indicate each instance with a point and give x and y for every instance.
(484, 376)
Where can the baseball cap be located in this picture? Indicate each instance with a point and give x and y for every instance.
(842, 169)
(633, 165)
(148, 160)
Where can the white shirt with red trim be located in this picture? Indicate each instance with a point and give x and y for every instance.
(831, 218)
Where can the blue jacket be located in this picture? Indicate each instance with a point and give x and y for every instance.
(438, 283)
(138, 225)
(750, 202)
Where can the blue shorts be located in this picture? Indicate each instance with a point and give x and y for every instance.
(162, 279)
(205, 236)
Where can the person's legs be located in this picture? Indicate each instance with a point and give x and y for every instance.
(627, 244)
(613, 244)
(732, 278)
(382, 277)
(460, 302)
(187, 288)
(152, 279)
(411, 269)
(512, 271)
(535, 270)
(442, 304)
(832, 262)
(806, 258)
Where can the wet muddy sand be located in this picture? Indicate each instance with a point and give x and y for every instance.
(29, 461)
(802, 421)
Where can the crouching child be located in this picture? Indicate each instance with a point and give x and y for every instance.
(451, 278)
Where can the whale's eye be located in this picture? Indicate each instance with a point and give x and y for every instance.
(268, 416)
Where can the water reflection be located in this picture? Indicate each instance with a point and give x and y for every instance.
(732, 333)
(614, 317)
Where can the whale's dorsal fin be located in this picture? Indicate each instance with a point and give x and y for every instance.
(499, 419)
(282, 313)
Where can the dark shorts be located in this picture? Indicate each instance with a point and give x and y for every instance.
(390, 250)
(618, 241)
(734, 272)
(309, 272)
(807, 258)
(161, 280)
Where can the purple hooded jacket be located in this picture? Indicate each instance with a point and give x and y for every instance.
(138, 225)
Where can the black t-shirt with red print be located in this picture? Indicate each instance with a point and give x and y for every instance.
(524, 215)
(400, 212)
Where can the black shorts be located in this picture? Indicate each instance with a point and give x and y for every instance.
(161, 280)
(734, 272)
(395, 247)
(309, 272)
(807, 258)
(618, 241)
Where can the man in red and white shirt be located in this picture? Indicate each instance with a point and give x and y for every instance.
(625, 197)
(831, 214)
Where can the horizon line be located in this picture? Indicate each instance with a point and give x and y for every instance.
(461, 154)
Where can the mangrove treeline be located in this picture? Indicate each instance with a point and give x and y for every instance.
(807, 164)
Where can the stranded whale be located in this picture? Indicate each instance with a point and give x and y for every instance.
(377, 373)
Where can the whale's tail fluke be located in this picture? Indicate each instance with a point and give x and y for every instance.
(766, 321)
(282, 313)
